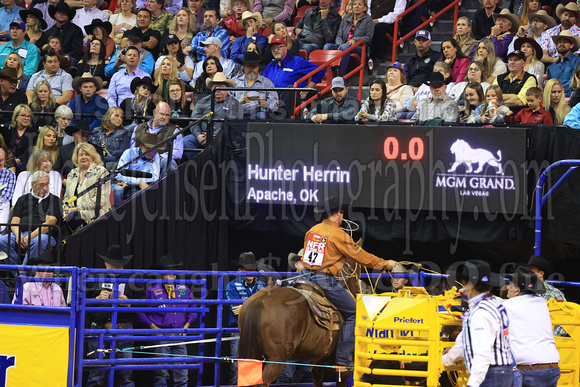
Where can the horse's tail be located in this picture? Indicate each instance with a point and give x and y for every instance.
(248, 323)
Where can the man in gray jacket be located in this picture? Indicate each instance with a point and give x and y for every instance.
(340, 107)
(318, 27)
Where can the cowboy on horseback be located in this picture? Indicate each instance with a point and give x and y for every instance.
(326, 247)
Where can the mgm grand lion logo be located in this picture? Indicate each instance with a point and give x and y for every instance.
(468, 156)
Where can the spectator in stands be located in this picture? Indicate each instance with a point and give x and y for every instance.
(88, 101)
(14, 61)
(34, 25)
(420, 66)
(397, 88)
(226, 106)
(213, 48)
(43, 8)
(534, 113)
(10, 97)
(70, 35)
(516, 82)
(172, 50)
(123, 21)
(167, 71)
(85, 15)
(41, 293)
(483, 18)
(568, 16)
(10, 163)
(119, 88)
(211, 30)
(252, 23)
(43, 101)
(211, 66)
(8, 181)
(485, 54)
(150, 38)
(384, 14)
(563, 68)
(161, 126)
(101, 30)
(180, 106)
(112, 138)
(60, 81)
(574, 86)
(8, 13)
(47, 141)
(475, 73)
(539, 24)
(440, 105)
(80, 133)
(94, 61)
(27, 51)
(63, 116)
(463, 35)
(32, 209)
(533, 53)
(197, 9)
(40, 160)
(502, 33)
(144, 58)
(21, 135)
(160, 19)
(318, 27)
(125, 186)
(233, 23)
(275, 10)
(554, 101)
(474, 97)
(183, 28)
(340, 107)
(453, 56)
(377, 107)
(55, 44)
(353, 28)
(493, 111)
(141, 104)
(424, 91)
(80, 210)
(279, 30)
(529, 7)
(256, 104)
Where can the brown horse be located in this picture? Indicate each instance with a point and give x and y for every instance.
(276, 323)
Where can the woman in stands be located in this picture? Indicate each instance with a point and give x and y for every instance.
(485, 53)
(43, 101)
(474, 96)
(211, 66)
(94, 61)
(40, 160)
(453, 55)
(182, 26)
(554, 100)
(62, 118)
(9, 163)
(13, 60)
(180, 107)
(34, 25)
(279, 30)
(534, 54)
(48, 141)
(141, 104)
(122, 21)
(101, 30)
(463, 35)
(89, 169)
(21, 134)
(166, 71)
(172, 50)
(112, 138)
(397, 88)
(377, 107)
(493, 111)
(475, 73)
(529, 7)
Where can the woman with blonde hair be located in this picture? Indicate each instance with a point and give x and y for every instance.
(182, 26)
(43, 101)
(112, 138)
(279, 30)
(463, 35)
(123, 20)
(13, 60)
(34, 25)
(534, 53)
(485, 53)
(166, 71)
(555, 100)
(22, 134)
(40, 160)
(89, 169)
(47, 140)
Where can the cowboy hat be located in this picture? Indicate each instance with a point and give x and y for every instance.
(246, 261)
(166, 261)
(9, 73)
(135, 34)
(527, 281)
(543, 15)
(541, 263)
(567, 35)
(251, 57)
(436, 78)
(148, 140)
(45, 258)
(81, 125)
(99, 23)
(249, 15)
(136, 82)
(331, 204)
(87, 77)
(36, 13)
(63, 7)
(499, 3)
(571, 7)
(293, 258)
(533, 43)
(115, 256)
(479, 272)
(219, 78)
(505, 13)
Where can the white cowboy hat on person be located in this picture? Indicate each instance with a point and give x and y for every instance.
(219, 78)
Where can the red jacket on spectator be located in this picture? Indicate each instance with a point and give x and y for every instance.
(233, 27)
(527, 116)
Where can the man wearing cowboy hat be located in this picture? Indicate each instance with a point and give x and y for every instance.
(483, 18)
(502, 33)
(241, 288)
(318, 27)
(539, 23)
(440, 105)
(10, 97)
(252, 22)
(114, 260)
(563, 68)
(533, 345)
(340, 107)
(568, 16)
(89, 12)
(60, 81)
(70, 34)
(256, 104)
(225, 106)
(119, 60)
(168, 320)
(8, 13)
(212, 47)
(44, 15)
(88, 101)
(80, 133)
(120, 85)
(211, 29)
(41, 293)
(150, 163)
(27, 51)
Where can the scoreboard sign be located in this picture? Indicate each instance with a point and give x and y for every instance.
(397, 167)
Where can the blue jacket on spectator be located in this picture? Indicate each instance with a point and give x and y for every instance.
(96, 105)
(293, 68)
(573, 118)
(147, 65)
(239, 289)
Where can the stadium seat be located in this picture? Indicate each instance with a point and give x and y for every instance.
(319, 57)
(303, 54)
(291, 32)
(300, 14)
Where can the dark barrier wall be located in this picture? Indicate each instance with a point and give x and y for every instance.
(191, 212)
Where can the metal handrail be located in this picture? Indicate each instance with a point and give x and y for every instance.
(396, 42)
(359, 68)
